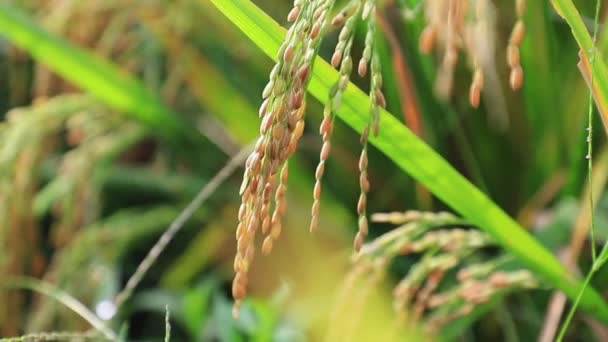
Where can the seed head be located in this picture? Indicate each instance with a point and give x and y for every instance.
(516, 77)
(454, 25)
(282, 111)
(341, 58)
(441, 250)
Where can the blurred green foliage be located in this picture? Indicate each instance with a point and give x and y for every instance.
(90, 179)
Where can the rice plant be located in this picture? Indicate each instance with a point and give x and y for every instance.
(125, 124)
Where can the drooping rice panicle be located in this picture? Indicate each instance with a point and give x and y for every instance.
(282, 112)
(423, 295)
(516, 78)
(342, 58)
(454, 25)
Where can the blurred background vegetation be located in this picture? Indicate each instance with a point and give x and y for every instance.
(86, 190)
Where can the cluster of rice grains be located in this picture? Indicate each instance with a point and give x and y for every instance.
(283, 108)
(444, 284)
(282, 112)
(467, 24)
(347, 19)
